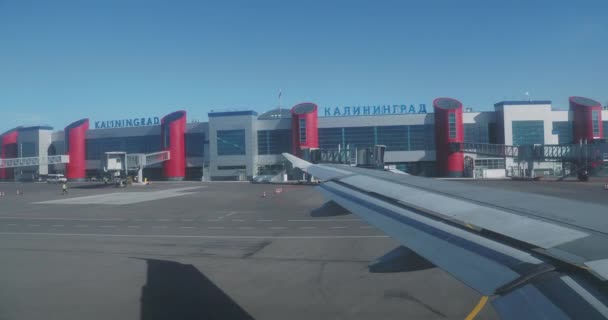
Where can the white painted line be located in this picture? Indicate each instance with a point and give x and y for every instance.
(264, 220)
(308, 227)
(322, 220)
(107, 226)
(141, 219)
(365, 227)
(133, 227)
(237, 220)
(277, 228)
(33, 225)
(215, 227)
(213, 220)
(82, 225)
(163, 219)
(185, 236)
(185, 227)
(57, 218)
(159, 227)
(11, 224)
(246, 228)
(187, 219)
(339, 227)
(57, 225)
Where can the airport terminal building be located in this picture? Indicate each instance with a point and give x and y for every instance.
(241, 145)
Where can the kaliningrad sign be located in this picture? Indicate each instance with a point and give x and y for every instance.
(127, 123)
(373, 110)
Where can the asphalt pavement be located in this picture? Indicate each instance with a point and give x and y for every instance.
(182, 250)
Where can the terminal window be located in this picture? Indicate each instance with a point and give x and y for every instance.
(528, 132)
(605, 124)
(230, 142)
(395, 138)
(274, 141)
(302, 130)
(595, 118)
(563, 129)
(476, 133)
(452, 125)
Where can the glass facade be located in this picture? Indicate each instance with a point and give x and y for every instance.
(96, 148)
(195, 144)
(28, 149)
(395, 138)
(563, 129)
(490, 163)
(595, 119)
(302, 130)
(230, 142)
(452, 125)
(274, 141)
(605, 128)
(528, 132)
(476, 133)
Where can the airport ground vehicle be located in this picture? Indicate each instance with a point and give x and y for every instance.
(56, 178)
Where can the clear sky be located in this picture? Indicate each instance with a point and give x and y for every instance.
(112, 59)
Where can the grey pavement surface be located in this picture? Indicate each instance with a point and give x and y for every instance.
(204, 251)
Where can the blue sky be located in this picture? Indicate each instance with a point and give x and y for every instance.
(112, 59)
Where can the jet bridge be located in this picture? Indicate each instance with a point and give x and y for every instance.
(33, 161)
(119, 164)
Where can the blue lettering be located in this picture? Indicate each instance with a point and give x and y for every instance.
(346, 111)
(129, 122)
(403, 108)
(366, 110)
(136, 122)
(422, 108)
(386, 109)
(412, 109)
(377, 109)
(327, 112)
(395, 108)
(143, 121)
(336, 111)
(96, 124)
(102, 125)
(356, 111)
(156, 121)
(149, 123)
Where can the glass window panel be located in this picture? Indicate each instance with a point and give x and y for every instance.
(528, 132)
(595, 119)
(230, 142)
(359, 137)
(564, 131)
(195, 143)
(395, 138)
(452, 125)
(302, 130)
(274, 141)
(330, 138)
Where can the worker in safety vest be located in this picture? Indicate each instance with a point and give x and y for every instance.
(64, 188)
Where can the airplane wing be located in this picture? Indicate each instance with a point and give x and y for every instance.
(532, 256)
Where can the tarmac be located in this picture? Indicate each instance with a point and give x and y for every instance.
(185, 250)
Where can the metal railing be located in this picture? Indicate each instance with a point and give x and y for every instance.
(140, 160)
(33, 161)
(562, 152)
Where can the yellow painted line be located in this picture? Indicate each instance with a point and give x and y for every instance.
(478, 308)
(469, 226)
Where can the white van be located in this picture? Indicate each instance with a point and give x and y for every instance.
(56, 178)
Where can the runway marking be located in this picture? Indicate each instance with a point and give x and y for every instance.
(227, 215)
(189, 236)
(58, 218)
(33, 225)
(107, 226)
(365, 227)
(159, 227)
(213, 220)
(82, 226)
(133, 227)
(339, 227)
(188, 220)
(125, 198)
(215, 227)
(185, 227)
(237, 220)
(246, 228)
(477, 309)
(322, 220)
(163, 219)
(308, 227)
(11, 224)
(264, 220)
(58, 225)
(275, 228)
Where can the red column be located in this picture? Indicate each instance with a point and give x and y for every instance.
(449, 163)
(582, 114)
(173, 130)
(9, 150)
(75, 147)
(304, 114)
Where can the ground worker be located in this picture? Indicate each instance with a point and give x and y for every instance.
(64, 188)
